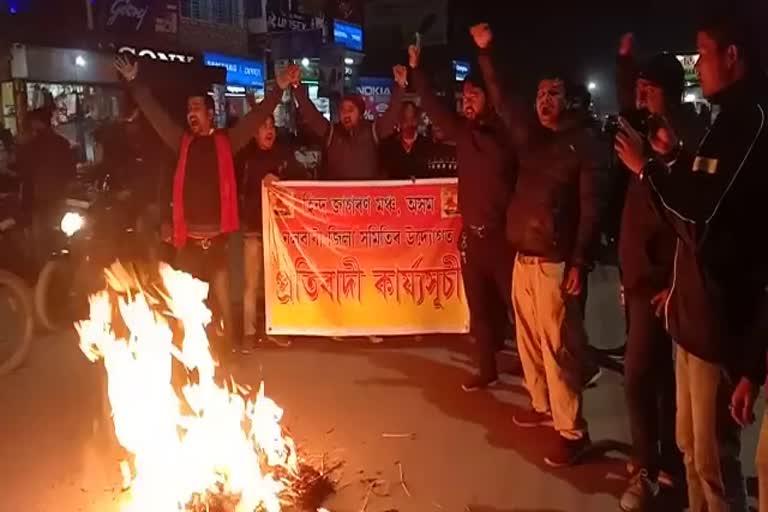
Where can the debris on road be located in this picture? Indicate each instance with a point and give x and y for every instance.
(402, 480)
(411, 436)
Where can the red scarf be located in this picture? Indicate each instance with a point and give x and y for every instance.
(227, 189)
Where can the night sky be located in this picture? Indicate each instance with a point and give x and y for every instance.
(580, 38)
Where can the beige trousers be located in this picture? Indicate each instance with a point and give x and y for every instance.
(707, 436)
(552, 371)
(254, 284)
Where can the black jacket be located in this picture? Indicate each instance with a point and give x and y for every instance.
(485, 160)
(46, 165)
(258, 163)
(553, 211)
(396, 164)
(646, 239)
(715, 199)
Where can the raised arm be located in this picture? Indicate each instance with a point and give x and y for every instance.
(443, 117)
(385, 125)
(168, 129)
(626, 74)
(243, 131)
(509, 107)
(315, 121)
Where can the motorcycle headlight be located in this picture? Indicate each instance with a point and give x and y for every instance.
(71, 223)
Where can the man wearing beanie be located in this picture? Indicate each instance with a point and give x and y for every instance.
(646, 253)
(351, 145)
(551, 223)
(486, 179)
(712, 195)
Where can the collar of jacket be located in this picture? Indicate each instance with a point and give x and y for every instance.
(740, 92)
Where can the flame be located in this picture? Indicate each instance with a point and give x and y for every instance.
(191, 447)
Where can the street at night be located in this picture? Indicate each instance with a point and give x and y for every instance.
(348, 402)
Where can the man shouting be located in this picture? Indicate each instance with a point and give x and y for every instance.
(205, 209)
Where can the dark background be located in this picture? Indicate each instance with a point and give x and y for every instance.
(578, 39)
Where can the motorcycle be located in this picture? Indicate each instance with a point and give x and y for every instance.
(93, 234)
(16, 307)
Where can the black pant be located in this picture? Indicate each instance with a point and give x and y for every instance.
(649, 383)
(209, 262)
(487, 273)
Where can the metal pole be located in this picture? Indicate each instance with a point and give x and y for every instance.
(89, 13)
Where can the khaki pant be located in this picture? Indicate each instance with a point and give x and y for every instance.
(254, 284)
(708, 436)
(761, 463)
(552, 369)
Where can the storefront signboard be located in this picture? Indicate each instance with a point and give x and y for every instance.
(348, 35)
(245, 72)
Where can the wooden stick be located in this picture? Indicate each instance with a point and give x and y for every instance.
(399, 436)
(402, 480)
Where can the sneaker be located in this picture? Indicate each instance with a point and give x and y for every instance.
(532, 419)
(479, 383)
(664, 478)
(639, 494)
(568, 452)
(590, 381)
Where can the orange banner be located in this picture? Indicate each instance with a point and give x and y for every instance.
(363, 258)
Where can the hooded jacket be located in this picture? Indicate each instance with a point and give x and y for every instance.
(713, 197)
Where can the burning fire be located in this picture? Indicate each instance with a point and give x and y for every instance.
(195, 448)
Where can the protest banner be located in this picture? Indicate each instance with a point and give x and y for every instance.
(363, 258)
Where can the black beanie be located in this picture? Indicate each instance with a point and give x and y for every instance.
(665, 71)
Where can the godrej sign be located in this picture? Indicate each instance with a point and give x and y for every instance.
(248, 73)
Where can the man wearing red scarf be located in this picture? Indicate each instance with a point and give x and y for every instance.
(204, 198)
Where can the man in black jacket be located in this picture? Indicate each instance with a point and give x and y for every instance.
(404, 155)
(712, 196)
(265, 160)
(486, 179)
(646, 251)
(551, 222)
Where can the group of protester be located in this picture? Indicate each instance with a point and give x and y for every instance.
(216, 189)
(693, 271)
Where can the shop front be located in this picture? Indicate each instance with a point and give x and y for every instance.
(79, 86)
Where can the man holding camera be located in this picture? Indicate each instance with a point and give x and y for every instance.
(646, 252)
(712, 196)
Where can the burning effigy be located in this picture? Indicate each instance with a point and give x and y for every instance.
(203, 445)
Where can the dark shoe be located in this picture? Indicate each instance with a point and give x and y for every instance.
(640, 493)
(479, 383)
(568, 452)
(532, 419)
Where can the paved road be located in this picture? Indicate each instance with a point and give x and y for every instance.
(57, 451)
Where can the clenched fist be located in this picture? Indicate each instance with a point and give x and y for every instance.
(401, 75)
(414, 56)
(482, 35)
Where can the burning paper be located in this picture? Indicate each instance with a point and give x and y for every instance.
(200, 448)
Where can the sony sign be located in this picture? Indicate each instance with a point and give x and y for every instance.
(157, 54)
(124, 9)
